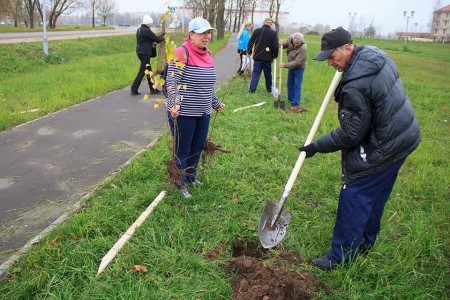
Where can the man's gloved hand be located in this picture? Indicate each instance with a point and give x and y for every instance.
(309, 149)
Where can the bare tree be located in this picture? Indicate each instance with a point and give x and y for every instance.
(93, 6)
(59, 7)
(14, 9)
(107, 9)
(220, 19)
(199, 8)
(30, 8)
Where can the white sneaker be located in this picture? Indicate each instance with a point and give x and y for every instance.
(184, 192)
(197, 182)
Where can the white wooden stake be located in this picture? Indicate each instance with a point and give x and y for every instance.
(126, 236)
(245, 107)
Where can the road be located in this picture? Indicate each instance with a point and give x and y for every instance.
(20, 37)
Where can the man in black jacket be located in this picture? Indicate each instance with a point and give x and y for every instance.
(144, 42)
(378, 130)
(263, 46)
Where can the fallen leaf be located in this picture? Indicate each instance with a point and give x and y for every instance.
(75, 237)
(52, 244)
(139, 268)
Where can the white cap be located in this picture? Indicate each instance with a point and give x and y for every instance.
(147, 20)
(199, 25)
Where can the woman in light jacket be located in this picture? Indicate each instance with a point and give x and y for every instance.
(243, 38)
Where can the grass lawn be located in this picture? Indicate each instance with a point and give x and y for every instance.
(409, 261)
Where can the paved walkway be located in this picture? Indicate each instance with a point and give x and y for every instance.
(48, 165)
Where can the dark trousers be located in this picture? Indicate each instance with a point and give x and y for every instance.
(191, 134)
(258, 67)
(294, 85)
(360, 208)
(241, 55)
(145, 60)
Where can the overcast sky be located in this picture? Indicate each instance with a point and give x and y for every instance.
(386, 15)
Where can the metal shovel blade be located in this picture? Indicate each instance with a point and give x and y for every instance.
(270, 236)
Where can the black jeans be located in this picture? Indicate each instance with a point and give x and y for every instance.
(137, 81)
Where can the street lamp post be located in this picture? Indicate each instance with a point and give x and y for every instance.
(44, 21)
(405, 15)
(350, 21)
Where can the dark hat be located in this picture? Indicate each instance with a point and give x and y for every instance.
(332, 40)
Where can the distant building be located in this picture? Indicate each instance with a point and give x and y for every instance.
(417, 36)
(185, 14)
(441, 25)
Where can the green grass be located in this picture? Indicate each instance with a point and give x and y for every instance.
(34, 84)
(409, 261)
(23, 28)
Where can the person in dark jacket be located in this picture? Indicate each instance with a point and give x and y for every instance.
(144, 45)
(263, 46)
(378, 130)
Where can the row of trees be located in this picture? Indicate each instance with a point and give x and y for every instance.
(218, 12)
(227, 12)
(31, 11)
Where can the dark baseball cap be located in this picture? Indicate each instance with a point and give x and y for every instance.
(332, 40)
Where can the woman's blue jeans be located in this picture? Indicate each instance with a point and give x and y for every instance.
(190, 137)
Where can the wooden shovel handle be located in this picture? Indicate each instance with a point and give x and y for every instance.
(312, 133)
(281, 60)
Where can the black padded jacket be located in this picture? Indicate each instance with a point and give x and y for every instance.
(378, 125)
(145, 37)
(263, 44)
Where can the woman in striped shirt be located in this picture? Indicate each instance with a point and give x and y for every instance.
(190, 99)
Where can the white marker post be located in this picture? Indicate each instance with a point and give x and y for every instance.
(250, 106)
(127, 235)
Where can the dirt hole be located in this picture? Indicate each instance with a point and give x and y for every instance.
(267, 274)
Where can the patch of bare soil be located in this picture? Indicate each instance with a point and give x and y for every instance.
(262, 275)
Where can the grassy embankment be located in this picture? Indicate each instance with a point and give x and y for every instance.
(411, 257)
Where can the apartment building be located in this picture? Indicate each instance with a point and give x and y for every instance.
(441, 25)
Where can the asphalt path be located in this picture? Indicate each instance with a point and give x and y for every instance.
(49, 165)
(22, 37)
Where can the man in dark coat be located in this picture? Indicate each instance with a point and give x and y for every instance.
(144, 42)
(263, 46)
(378, 130)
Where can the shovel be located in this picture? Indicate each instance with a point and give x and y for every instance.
(274, 80)
(274, 220)
(279, 103)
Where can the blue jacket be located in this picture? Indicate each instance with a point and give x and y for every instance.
(378, 125)
(243, 40)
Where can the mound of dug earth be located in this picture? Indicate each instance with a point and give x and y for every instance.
(268, 279)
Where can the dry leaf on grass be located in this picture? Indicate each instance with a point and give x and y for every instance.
(139, 268)
(75, 237)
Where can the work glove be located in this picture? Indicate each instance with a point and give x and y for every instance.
(309, 149)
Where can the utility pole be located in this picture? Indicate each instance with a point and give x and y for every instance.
(350, 21)
(44, 21)
(405, 15)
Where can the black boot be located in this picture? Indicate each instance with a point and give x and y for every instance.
(154, 91)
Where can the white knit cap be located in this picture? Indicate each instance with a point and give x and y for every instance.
(147, 20)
